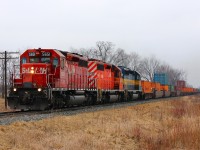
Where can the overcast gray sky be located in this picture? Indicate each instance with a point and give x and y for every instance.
(168, 29)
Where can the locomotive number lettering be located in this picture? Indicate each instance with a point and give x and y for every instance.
(31, 54)
(46, 54)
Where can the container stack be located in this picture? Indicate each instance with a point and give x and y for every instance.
(162, 78)
(180, 84)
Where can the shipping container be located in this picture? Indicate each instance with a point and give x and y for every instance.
(162, 78)
(180, 83)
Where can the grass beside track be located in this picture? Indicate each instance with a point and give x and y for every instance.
(161, 125)
(2, 105)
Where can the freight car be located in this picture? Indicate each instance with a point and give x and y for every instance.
(156, 90)
(50, 78)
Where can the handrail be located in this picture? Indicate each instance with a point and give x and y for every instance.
(48, 82)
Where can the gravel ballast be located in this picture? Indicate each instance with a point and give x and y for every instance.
(73, 111)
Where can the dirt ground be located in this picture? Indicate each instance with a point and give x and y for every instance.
(161, 125)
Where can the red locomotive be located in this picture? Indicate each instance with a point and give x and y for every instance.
(46, 77)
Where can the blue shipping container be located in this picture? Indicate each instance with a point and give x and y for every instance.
(162, 78)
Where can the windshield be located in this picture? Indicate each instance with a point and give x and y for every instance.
(45, 60)
(34, 60)
(40, 60)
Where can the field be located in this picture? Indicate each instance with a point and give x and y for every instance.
(172, 124)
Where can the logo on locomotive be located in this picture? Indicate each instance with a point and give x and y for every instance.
(36, 70)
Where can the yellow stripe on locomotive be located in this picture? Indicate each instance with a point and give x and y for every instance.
(131, 79)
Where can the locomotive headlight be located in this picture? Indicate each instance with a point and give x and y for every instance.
(32, 71)
(39, 89)
(15, 89)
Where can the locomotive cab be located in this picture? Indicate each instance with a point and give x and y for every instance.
(38, 67)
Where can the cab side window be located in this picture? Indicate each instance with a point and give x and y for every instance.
(55, 62)
(23, 60)
(138, 77)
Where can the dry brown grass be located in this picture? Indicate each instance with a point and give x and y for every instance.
(160, 125)
(2, 105)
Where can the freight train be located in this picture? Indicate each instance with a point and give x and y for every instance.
(50, 78)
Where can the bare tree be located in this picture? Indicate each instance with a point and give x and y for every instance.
(103, 50)
(12, 67)
(74, 50)
(134, 61)
(119, 58)
(87, 52)
(83, 51)
(148, 67)
(176, 75)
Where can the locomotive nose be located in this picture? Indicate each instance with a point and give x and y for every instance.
(34, 75)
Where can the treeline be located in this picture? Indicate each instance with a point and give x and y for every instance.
(146, 66)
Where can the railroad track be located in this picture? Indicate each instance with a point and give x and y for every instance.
(13, 113)
(9, 117)
(30, 112)
(74, 108)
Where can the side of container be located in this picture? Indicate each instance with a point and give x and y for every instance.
(162, 78)
(180, 83)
